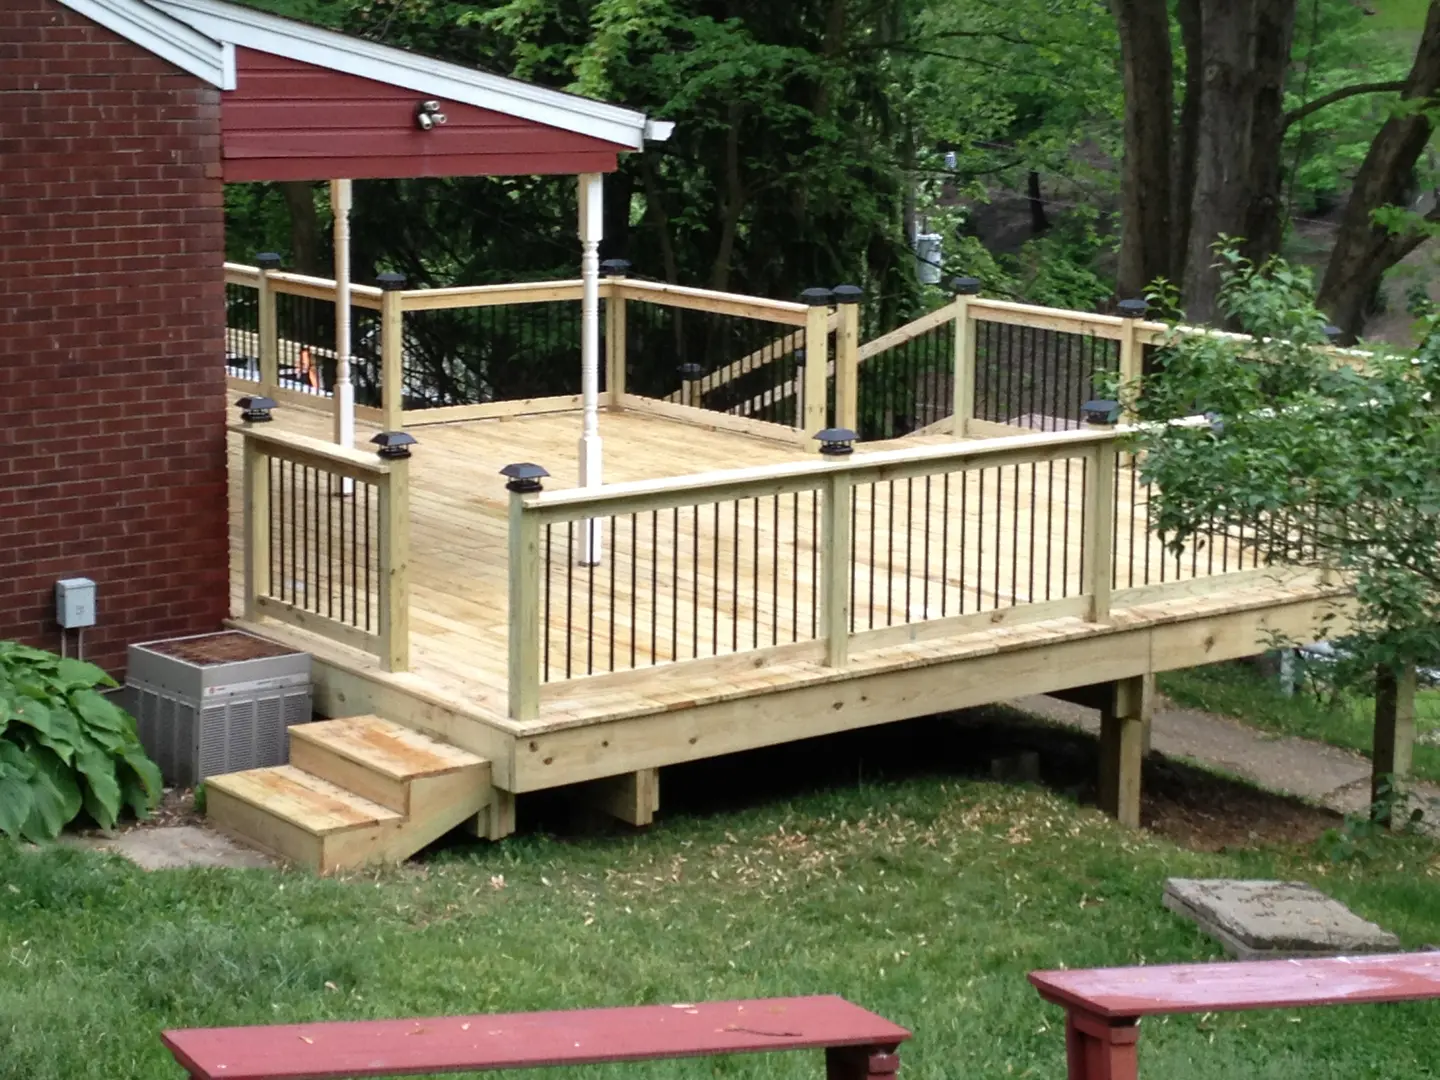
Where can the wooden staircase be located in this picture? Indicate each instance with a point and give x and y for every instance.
(357, 791)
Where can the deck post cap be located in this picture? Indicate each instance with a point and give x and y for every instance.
(523, 476)
(393, 445)
(390, 280)
(816, 297)
(255, 409)
(1132, 309)
(847, 294)
(965, 286)
(268, 260)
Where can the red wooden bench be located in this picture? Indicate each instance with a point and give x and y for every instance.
(858, 1044)
(1104, 1005)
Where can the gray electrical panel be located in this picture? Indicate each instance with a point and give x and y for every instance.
(217, 703)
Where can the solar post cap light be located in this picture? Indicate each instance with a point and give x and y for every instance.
(393, 445)
(256, 409)
(523, 476)
(1101, 413)
(836, 442)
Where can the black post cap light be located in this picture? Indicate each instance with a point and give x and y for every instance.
(816, 297)
(1331, 332)
(523, 476)
(965, 286)
(390, 280)
(256, 409)
(1101, 413)
(268, 260)
(1132, 309)
(691, 371)
(836, 441)
(393, 445)
(847, 294)
(615, 267)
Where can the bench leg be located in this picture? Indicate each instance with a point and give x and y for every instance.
(1100, 1049)
(861, 1063)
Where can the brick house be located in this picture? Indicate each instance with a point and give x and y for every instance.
(120, 121)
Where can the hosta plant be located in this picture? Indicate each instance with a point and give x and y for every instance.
(65, 747)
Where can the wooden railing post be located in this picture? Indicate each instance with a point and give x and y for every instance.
(1132, 353)
(615, 329)
(963, 376)
(256, 525)
(267, 324)
(835, 551)
(524, 554)
(392, 351)
(395, 550)
(1098, 554)
(812, 414)
(847, 357)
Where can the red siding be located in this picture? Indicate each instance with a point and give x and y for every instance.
(287, 120)
(112, 396)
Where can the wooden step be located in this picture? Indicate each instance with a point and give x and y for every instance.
(298, 816)
(376, 758)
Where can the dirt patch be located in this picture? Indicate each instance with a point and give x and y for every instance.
(226, 647)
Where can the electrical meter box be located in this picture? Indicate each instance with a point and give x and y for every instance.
(75, 603)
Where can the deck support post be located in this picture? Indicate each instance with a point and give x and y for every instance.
(395, 565)
(392, 352)
(1100, 1048)
(256, 527)
(813, 409)
(835, 542)
(963, 377)
(847, 356)
(1124, 718)
(268, 325)
(862, 1062)
(1097, 555)
(615, 331)
(632, 797)
(340, 200)
(1394, 740)
(592, 227)
(524, 679)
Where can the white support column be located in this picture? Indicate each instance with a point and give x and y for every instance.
(344, 399)
(591, 470)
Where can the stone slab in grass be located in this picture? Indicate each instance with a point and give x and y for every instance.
(176, 847)
(1259, 920)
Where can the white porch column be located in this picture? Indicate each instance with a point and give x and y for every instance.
(591, 228)
(340, 199)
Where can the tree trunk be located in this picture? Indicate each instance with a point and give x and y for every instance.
(1264, 218)
(1364, 250)
(1235, 116)
(1039, 221)
(732, 203)
(619, 192)
(1144, 27)
(1182, 159)
(304, 225)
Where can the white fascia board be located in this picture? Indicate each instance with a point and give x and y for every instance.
(153, 30)
(309, 44)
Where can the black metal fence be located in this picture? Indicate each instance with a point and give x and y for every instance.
(754, 368)
(324, 545)
(1037, 378)
(499, 352)
(242, 331)
(908, 387)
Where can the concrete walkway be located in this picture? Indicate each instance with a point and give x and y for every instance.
(1316, 772)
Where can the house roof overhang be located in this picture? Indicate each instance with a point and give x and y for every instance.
(201, 36)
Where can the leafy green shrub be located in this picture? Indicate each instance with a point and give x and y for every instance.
(64, 746)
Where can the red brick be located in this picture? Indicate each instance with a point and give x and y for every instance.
(112, 456)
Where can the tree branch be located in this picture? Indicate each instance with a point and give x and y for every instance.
(1298, 114)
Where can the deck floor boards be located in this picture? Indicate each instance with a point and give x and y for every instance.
(706, 581)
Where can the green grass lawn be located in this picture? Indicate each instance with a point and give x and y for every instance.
(926, 899)
(1239, 691)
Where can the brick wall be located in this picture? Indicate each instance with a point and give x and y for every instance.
(112, 393)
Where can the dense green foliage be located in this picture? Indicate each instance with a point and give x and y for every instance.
(925, 899)
(1336, 459)
(812, 139)
(65, 747)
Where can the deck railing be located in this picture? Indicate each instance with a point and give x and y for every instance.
(326, 541)
(438, 355)
(815, 560)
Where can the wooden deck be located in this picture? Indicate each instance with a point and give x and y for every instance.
(940, 583)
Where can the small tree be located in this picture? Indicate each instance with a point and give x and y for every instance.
(1337, 454)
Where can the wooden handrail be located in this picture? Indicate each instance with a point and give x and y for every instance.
(722, 303)
(390, 641)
